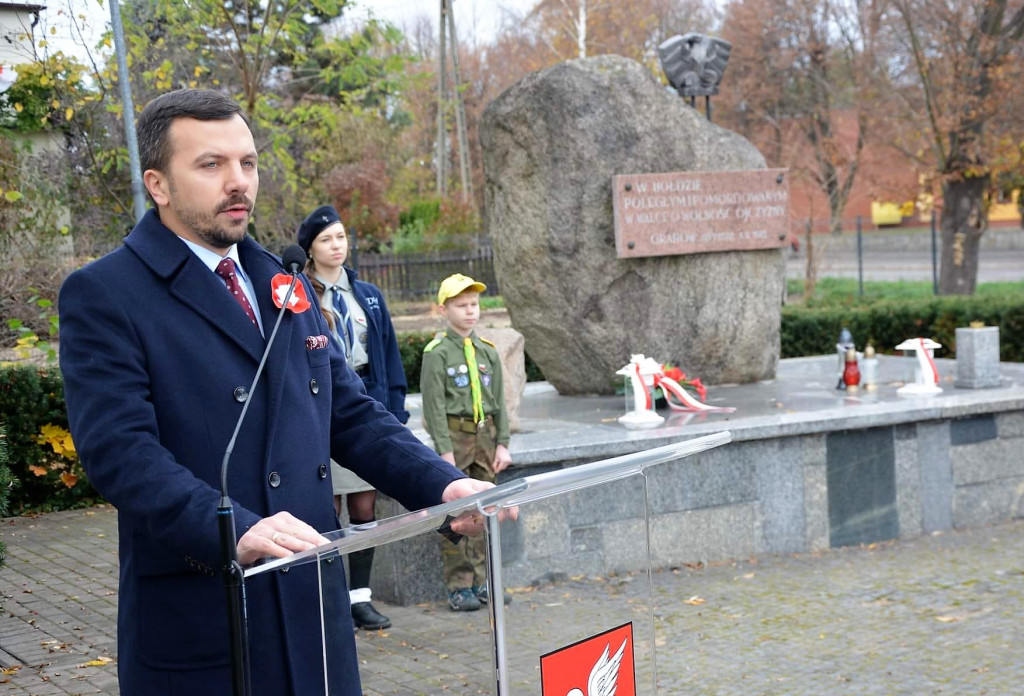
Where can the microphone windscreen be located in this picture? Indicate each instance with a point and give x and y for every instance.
(293, 258)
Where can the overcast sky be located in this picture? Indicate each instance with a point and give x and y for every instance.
(474, 19)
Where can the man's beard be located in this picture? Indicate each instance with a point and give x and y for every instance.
(214, 232)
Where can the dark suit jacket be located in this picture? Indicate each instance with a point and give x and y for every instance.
(156, 356)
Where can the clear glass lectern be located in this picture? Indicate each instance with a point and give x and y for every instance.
(606, 644)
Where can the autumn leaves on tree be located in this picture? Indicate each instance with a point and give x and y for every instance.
(885, 99)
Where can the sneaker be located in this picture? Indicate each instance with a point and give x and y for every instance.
(463, 600)
(484, 595)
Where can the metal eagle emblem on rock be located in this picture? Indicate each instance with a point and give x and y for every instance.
(694, 63)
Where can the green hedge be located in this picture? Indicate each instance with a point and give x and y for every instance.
(32, 399)
(814, 331)
(885, 324)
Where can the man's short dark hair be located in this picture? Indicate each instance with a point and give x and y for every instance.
(155, 122)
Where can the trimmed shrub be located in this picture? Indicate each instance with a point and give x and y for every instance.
(47, 475)
(41, 455)
(813, 331)
(410, 346)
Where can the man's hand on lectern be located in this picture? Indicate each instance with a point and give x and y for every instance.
(278, 536)
(471, 522)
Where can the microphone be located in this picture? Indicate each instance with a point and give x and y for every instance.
(293, 259)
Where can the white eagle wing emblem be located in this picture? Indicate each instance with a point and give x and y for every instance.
(604, 677)
(281, 291)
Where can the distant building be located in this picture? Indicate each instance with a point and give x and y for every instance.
(888, 190)
(18, 21)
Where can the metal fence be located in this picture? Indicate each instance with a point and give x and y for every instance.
(905, 254)
(411, 277)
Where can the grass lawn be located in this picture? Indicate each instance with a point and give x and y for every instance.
(832, 292)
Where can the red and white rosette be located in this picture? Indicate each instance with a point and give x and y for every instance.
(298, 302)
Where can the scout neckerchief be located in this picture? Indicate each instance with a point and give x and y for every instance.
(474, 380)
(341, 308)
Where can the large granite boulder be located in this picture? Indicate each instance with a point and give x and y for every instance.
(511, 352)
(551, 144)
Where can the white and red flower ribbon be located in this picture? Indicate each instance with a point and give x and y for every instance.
(679, 399)
(646, 372)
(928, 367)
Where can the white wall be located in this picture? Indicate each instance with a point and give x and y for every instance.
(15, 36)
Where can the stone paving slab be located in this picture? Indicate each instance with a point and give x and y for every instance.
(940, 614)
(58, 592)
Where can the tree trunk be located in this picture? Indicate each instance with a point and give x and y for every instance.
(581, 30)
(963, 222)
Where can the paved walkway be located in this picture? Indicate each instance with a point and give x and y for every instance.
(935, 615)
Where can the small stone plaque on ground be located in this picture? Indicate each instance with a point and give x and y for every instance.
(693, 212)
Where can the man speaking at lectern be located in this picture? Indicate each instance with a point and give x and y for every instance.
(160, 341)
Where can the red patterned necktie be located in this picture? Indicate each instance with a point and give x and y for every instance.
(226, 270)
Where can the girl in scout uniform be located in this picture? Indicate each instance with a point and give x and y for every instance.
(360, 322)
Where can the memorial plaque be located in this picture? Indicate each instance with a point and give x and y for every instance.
(694, 212)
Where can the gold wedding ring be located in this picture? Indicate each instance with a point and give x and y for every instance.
(274, 536)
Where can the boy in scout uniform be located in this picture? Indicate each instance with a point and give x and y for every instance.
(464, 412)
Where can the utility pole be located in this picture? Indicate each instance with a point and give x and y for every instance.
(128, 109)
(442, 131)
(460, 114)
(447, 27)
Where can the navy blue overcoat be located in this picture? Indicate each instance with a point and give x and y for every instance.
(386, 382)
(156, 358)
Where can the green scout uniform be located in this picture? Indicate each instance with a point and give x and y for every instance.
(448, 414)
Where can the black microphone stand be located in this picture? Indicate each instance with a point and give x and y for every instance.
(234, 577)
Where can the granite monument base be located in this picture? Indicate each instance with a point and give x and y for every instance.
(809, 468)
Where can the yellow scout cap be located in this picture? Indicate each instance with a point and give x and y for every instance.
(456, 284)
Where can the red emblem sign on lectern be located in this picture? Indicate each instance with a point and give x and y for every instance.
(598, 666)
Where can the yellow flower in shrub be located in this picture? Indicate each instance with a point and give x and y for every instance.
(59, 439)
(66, 458)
